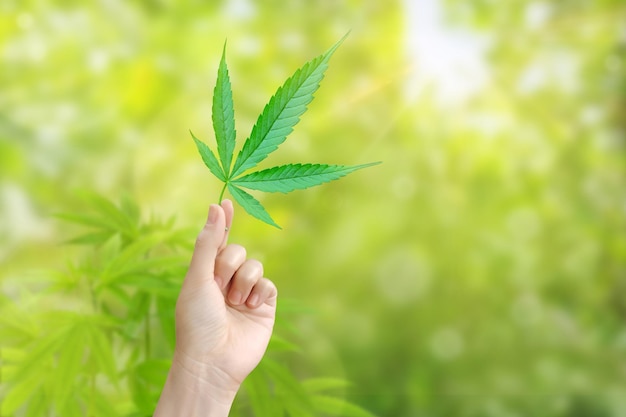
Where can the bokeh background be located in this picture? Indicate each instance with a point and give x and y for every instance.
(480, 270)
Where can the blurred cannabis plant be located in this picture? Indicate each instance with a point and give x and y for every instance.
(96, 339)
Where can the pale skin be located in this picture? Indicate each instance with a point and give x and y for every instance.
(224, 319)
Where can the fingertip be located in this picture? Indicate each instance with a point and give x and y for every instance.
(264, 292)
(213, 214)
(227, 206)
(213, 230)
(226, 203)
(235, 297)
(273, 294)
(253, 301)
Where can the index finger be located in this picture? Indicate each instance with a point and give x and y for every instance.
(229, 212)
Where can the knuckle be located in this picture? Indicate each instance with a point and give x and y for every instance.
(233, 256)
(256, 266)
(231, 264)
(256, 263)
(236, 250)
(245, 282)
(270, 287)
(250, 273)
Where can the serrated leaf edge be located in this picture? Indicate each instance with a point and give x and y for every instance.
(209, 159)
(223, 115)
(251, 205)
(259, 180)
(254, 142)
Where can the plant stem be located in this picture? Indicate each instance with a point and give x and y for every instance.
(222, 193)
(92, 293)
(92, 394)
(147, 333)
(92, 377)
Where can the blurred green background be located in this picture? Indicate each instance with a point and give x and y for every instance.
(479, 271)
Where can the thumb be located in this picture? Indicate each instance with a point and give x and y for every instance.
(207, 245)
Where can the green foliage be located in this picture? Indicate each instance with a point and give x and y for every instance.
(478, 273)
(276, 121)
(101, 340)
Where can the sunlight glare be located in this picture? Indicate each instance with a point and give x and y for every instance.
(450, 59)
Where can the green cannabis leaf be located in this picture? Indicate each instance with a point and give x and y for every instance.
(271, 129)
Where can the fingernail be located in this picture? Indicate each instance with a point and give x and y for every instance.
(212, 214)
(254, 300)
(235, 298)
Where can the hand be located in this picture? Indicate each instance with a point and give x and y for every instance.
(226, 308)
(224, 319)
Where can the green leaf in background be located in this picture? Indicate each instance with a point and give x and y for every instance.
(315, 385)
(224, 115)
(338, 407)
(271, 129)
(286, 178)
(69, 362)
(259, 394)
(109, 355)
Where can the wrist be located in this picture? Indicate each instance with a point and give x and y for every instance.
(196, 389)
(205, 375)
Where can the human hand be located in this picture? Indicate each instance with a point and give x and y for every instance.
(224, 318)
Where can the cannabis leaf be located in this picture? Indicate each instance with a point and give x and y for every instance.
(271, 129)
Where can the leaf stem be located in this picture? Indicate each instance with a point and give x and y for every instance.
(222, 193)
(147, 333)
